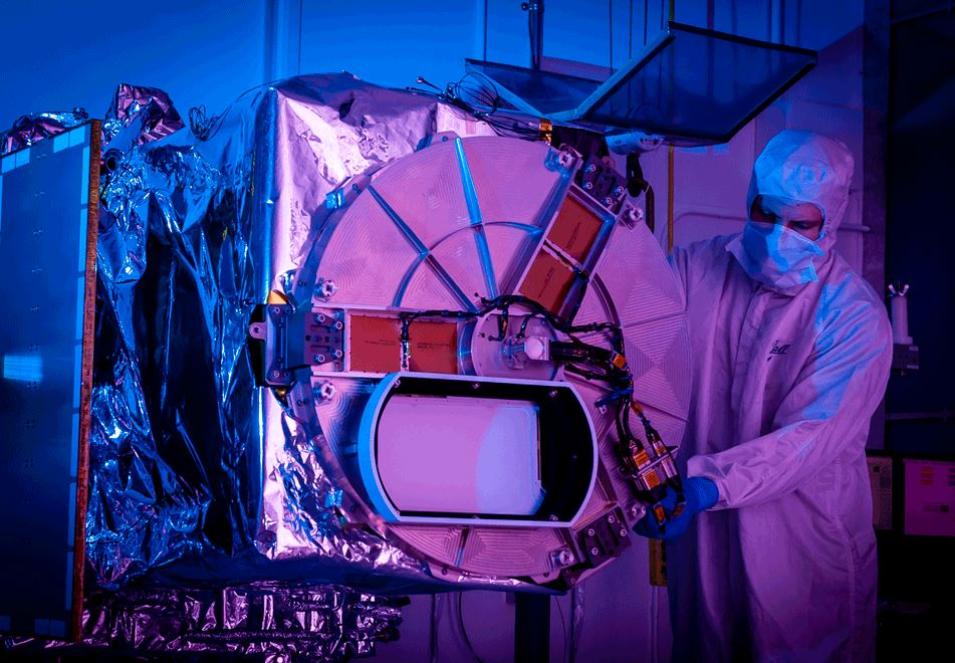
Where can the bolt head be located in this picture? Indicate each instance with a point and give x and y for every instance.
(325, 391)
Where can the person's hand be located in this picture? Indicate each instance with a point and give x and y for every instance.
(700, 493)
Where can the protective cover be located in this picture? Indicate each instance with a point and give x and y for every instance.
(187, 452)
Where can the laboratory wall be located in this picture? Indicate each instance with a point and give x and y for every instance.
(916, 574)
(58, 55)
(921, 233)
(206, 53)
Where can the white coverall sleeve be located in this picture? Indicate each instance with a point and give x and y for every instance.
(830, 403)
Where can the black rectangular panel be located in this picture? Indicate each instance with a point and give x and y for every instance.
(698, 84)
(48, 223)
(690, 86)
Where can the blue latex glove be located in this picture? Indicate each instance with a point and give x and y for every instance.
(700, 493)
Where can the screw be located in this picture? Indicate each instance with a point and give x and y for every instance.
(565, 557)
(591, 532)
(320, 359)
(595, 551)
(339, 325)
(327, 289)
(552, 393)
(611, 519)
(338, 354)
(588, 185)
(325, 391)
(475, 385)
(623, 533)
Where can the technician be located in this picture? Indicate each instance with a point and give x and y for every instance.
(792, 352)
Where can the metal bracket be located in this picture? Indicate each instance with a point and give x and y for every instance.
(324, 338)
(603, 183)
(297, 339)
(604, 538)
(274, 331)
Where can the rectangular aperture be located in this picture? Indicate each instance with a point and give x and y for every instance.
(374, 344)
(434, 347)
(548, 281)
(575, 229)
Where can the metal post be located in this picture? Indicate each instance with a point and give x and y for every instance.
(535, 28)
(532, 628)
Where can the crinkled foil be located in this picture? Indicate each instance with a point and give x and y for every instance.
(30, 129)
(268, 620)
(196, 472)
(139, 115)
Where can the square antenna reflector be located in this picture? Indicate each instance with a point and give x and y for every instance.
(691, 86)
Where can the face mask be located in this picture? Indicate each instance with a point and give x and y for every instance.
(772, 254)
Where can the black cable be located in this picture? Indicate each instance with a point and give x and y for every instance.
(563, 628)
(630, 33)
(610, 25)
(298, 59)
(485, 30)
